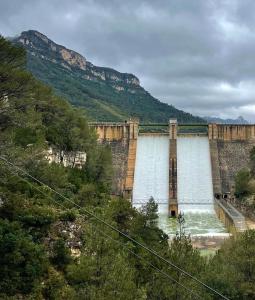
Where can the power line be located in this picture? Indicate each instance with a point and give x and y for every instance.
(117, 230)
(116, 241)
(150, 264)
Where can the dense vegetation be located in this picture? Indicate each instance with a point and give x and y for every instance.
(101, 100)
(245, 183)
(51, 249)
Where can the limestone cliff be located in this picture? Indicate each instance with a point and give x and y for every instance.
(37, 44)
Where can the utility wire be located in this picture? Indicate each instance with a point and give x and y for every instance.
(150, 264)
(114, 240)
(117, 230)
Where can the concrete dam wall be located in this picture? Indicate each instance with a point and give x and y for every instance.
(121, 138)
(230, 147)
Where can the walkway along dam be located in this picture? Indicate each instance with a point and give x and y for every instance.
(185, 168)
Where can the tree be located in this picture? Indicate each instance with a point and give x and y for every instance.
(14, 80)
(252, 159)
(103, 271)
(61, 254)
(232, 270)
(57, 288)
(242, 182)
(150, 211)
(23, 262)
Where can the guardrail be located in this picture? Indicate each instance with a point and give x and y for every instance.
(228, 214)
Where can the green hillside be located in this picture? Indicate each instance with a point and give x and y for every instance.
(107, 95)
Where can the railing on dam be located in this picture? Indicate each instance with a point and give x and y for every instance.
(154, 128)
(192, 129)
(230, 216)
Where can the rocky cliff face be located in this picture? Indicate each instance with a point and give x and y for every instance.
(41, 46)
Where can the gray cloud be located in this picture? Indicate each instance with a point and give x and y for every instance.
(197, 55)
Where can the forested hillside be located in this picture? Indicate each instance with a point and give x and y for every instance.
(106, 94)
(51, 248)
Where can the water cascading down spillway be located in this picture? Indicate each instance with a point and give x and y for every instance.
(194, 175)
(151, 178)
(194, 182)
(195, 187)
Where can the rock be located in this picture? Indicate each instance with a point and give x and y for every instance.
(40, 45)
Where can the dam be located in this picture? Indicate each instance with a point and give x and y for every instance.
(188, 168)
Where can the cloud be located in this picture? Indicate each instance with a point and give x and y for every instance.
(197, 55)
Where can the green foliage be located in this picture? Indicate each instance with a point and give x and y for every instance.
(14, 81)
(99, 167)
(32, 119)
(242, 182)
(232, 270)
(56, 287)
(252, 159)
(61, 254)
(150, 212)
(22, 261)
(68, 215)
(103, 271)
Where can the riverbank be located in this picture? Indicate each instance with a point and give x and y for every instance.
(209, 242)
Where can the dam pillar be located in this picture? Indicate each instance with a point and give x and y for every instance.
(214, 153)
(173, 204)
(133, 126)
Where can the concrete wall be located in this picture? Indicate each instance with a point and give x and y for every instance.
(121, 137)
(108, 131)
(230, 147)
(225, 218)
(233, 220)
(233, 156)
(227, 132)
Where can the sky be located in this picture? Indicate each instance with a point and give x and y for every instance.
(198, 55)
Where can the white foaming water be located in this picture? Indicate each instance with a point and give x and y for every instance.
(151, 177)
(194, 176)
(196, 224)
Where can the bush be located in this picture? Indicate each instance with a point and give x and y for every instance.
(69, 215)
(22, 261)
(242, 183)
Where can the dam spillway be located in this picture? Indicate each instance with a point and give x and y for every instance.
(194, 175)
(151, 178)
(194, 190)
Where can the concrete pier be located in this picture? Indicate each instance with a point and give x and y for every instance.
(173, 204)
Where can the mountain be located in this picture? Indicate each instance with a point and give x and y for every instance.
(239, 120)
(106, 94)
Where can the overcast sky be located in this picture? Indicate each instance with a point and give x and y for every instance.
(198, 55)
